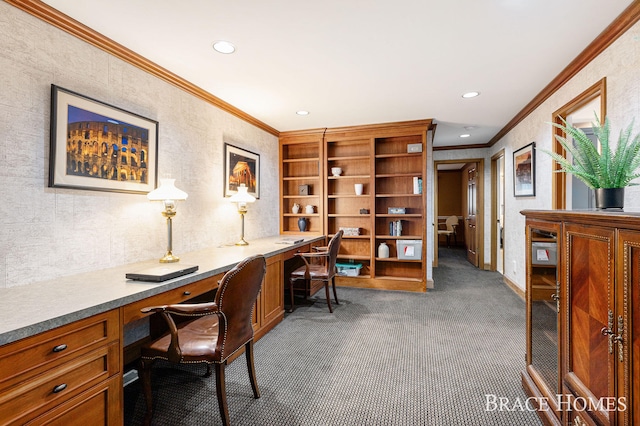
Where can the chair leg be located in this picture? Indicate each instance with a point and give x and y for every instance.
(326, 290)
(145, 377)
(335, 295)
(291, 295)
(221, 390)
(248, 349)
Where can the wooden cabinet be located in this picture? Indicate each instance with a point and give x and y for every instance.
(599, 283)
(69, 375)
(269, 309)
(301, 181)
(387, 160)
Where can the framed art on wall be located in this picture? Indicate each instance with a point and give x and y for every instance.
(524, 171)
(241, 167)
(100, 147)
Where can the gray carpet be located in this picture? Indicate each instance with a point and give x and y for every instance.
(382, 358)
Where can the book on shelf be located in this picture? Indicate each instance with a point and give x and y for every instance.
(290, 240)
(417, 185)
(395, 228)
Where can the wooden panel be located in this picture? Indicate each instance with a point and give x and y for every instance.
(272, 293)
(131, 312)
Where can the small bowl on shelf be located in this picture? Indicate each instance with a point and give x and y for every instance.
(336, 171)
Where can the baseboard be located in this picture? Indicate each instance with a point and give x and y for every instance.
(513, 286)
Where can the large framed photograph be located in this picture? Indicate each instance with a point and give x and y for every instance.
(100, 147)
(524, 171)
(241, 167)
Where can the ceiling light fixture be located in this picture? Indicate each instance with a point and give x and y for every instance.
(466, 135)
(470, 95)
(225, 47)
(302, 112)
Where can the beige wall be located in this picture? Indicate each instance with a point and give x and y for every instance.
(48, 233)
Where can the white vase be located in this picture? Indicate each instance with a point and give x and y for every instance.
(383, 251)
(358, 187)
(296, 208)
(309, 209)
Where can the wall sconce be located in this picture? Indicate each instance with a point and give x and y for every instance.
(242, 197)
(168, 194)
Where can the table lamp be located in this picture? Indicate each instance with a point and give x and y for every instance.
(242, 197)
(168, 194)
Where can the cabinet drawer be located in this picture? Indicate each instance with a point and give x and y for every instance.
(39, 393)
(41, 353)
(131, 312)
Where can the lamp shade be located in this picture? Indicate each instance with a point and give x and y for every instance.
(167, 191)
(242, 196)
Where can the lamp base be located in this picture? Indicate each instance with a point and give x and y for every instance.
(242, 242)
(169, 258)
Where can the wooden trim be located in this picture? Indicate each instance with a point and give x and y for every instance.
(618, 27)
(395, 127)
(58, 19)
(494, 213)
(513, 286)
(452, 147)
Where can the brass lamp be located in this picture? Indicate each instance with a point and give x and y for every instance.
(242, 197)
(168, 194)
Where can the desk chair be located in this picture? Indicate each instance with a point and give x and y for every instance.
(324, 271)
(220, 329)
(451, 226)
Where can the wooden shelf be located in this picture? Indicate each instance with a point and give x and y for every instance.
(349, 215)
(397, 195)
(300, 160)
(406, 154)
(301, 178)
(398, 237)
(398, 215)
(349, 177)
(393, 175)
(349, 157)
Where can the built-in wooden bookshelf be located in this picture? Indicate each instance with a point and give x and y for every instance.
(377, 157)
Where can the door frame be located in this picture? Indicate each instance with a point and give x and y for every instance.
(494, 208)
(480, 204)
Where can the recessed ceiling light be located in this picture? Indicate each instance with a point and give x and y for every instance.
(466, 135)
(302, 112)
(223, 47)
(470, 95)
(469, 127)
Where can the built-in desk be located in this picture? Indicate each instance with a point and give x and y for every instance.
(62, 342)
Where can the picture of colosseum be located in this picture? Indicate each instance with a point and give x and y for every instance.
(103, 148)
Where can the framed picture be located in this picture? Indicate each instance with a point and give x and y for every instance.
(241, 167)
(524, 171)
(100, 147)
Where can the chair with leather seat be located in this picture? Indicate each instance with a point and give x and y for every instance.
(451, 225)
(220, 329)
(323, 270)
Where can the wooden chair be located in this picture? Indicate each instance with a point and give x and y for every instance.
(324, 271)
(451, 224)
(220, 329)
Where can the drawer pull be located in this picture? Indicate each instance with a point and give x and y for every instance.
(60, 388)
(59, 348)
(187, 293)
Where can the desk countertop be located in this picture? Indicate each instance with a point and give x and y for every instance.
(31, 309)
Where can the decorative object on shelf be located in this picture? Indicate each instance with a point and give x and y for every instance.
(524, 171)
(302, 224)
(383, 250)
(604, 169)
(349, 232)
(121, 156)
(242, 197)
(304, 190)
(241, 167)
(296, 208)
(358, 188)
(409, 249)
(414, 147)
(364, 211)
(417, 185)
(336, 171)
(396, 210)
(168, 194)
(309, 209)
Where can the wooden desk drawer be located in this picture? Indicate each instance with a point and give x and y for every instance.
(40, 353)
(131, 312)
(291, 253)
(40, 393)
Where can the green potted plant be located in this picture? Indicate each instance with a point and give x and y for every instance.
(609, 171)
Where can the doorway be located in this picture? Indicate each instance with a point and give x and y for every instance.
(467, 196)
(497, 212)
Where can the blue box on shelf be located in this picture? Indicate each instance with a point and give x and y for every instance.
(349, 269)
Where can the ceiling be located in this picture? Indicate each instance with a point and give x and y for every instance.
(352, 62)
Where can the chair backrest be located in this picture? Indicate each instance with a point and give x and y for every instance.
(333, 248)
(236, 297)
(451, 222)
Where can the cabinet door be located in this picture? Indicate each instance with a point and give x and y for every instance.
(628, 308)
(589, 281)
(272, 293)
